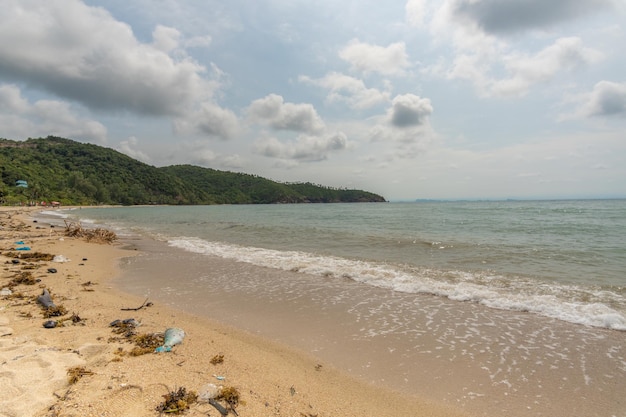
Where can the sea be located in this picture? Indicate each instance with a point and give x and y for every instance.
(491, 306)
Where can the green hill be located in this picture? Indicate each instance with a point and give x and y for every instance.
(74, 173)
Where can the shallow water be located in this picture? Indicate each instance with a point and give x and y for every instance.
(559, 259)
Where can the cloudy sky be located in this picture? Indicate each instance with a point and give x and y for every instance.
(409, 99)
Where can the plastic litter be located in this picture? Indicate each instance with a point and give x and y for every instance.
(23, 248)
(60, 258)
(172, 337)
(52, 270)
(19, 242)
(208, 392)
(45, 299)
(5, 292)
(50, 324)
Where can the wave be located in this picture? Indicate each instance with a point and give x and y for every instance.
(597, 307)
(53, 213)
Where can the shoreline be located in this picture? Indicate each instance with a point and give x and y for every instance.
(272, 378)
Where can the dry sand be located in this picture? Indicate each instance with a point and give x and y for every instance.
(271, 379)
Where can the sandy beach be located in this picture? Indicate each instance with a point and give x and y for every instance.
(269, 378)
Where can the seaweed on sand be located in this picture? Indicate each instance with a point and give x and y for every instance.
(177, 402)
(125, 328)
(55, 311)
(217, 359)
(76, 319)
(32, 256)
(231, 396)
(76, 373)
(87, 286)
(22, 278)
(146, 343)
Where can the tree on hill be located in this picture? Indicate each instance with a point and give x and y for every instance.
(77, 173)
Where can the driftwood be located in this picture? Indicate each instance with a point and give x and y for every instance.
(145, 304)
(98, 235)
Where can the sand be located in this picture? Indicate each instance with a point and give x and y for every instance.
(270, 378)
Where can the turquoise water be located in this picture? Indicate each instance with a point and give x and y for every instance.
(560, 259)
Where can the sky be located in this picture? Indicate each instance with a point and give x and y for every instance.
(413, 99)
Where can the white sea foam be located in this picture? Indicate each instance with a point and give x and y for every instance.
(54, 213)
(554, 300)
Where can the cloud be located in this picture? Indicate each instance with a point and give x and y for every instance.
(197, 42)
(129, 147)
(83, 53)
(204, 152)
(208, 120)
(21, 118)
(510, 16)
(607, 99)
(409, 110)
(406, 124)
(304, 148)
(415, 12)
(501, 66)
(165, 38)
(366, 58)
(168, 39)
(273, 111)
(345, 89)
(234, 161)
(565, 54)
(11, 99)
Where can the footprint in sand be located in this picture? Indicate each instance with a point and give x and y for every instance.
(29, 375)
(129, 400)
(4, 329)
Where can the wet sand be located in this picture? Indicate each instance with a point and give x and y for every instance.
(273, 377)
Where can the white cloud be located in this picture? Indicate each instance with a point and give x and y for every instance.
(168, 39)
(82, 53)
(11, 99)
(509, 67)
(130, 147)
(415, 12)
(409, 110)
(19, 118)
(273, 111)
(234, 161)
(304, 148)
(206, 153)
(165, 38)
(566, 54)
(607, 99)
(198, 42)
(203, 156)
(345, 89)
(407, 125)
(366, 58)
(209, 120)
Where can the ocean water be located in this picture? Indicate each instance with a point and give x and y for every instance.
(499, 308)
(559, 259)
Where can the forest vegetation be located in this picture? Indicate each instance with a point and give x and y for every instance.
(74, 173)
